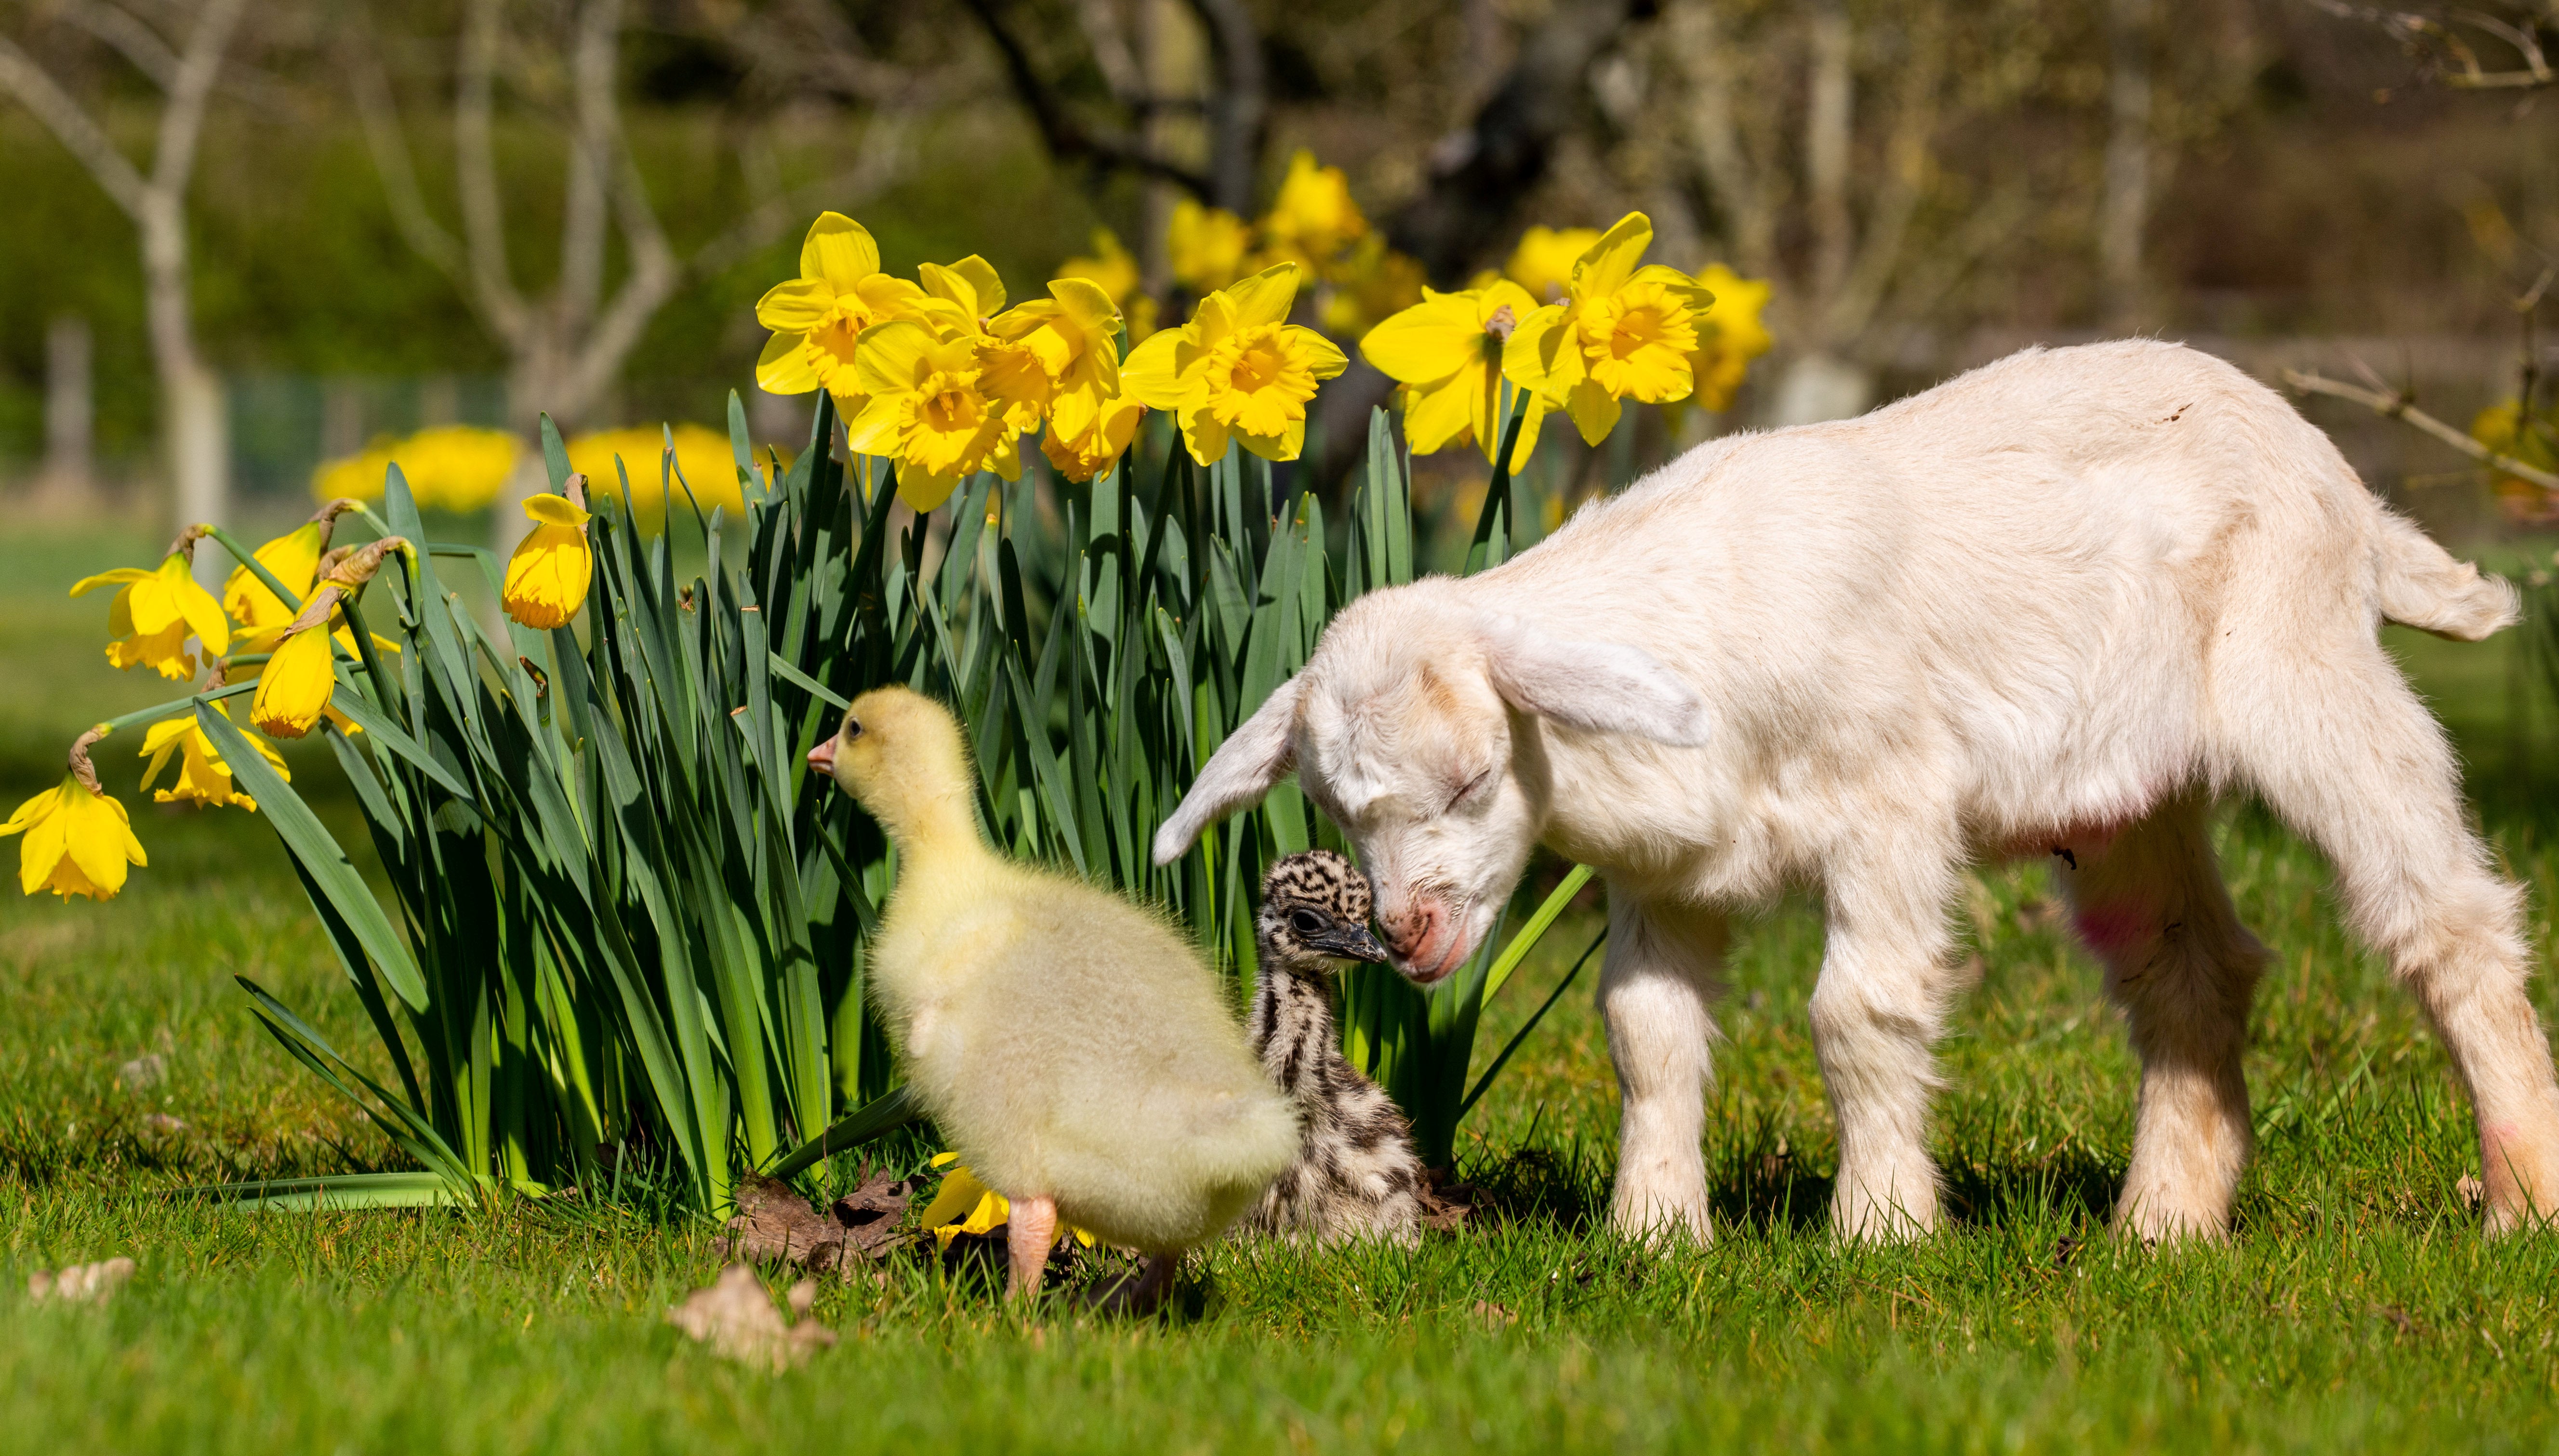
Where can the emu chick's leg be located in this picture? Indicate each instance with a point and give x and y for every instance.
(1029, 1232)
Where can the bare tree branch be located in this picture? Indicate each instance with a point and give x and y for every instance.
(377, 111)
(1239, 109)
(182, 121)
(1908, 142)
(1478, 176)
(135, 41)
(23, 79)
(1067, 139)
(883, 156)
(1750, 216)
(2402, 406)
(2424, 36)
(592, 159)
(484, 225)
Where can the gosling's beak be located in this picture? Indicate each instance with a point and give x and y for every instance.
(822, 757)
(1353, 943)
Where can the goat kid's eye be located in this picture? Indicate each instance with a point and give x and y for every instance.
(1470, 789)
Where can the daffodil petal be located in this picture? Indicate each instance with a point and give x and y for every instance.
(1437, 413)
(982, 277)
(1429, 341)
(796, 306)
(785, 367)
(840, 251)
(1151, 370)
(1265, 297)
(886, 361)
(1611, 261)
(119, 577)
(554, 510)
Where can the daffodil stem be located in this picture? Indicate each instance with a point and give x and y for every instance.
(257, 568)
(141, 716)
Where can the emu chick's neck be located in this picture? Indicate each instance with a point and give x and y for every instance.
(1291, 1025)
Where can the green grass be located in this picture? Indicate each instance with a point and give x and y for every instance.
(2358, 1306)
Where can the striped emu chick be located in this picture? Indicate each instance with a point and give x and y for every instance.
(1356, 1174)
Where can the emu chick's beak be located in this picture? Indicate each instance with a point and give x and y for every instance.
(1354, 942)
(822, 757)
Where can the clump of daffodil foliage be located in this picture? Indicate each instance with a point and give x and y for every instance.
(625, 921)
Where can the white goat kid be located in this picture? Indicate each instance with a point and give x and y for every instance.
(2054, 606)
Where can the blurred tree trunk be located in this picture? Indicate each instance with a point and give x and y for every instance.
(2125, 213)
(69, 481)
(195, 430)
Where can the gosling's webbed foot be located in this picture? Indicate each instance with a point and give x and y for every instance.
(1030, 1229)
(1142, 1293)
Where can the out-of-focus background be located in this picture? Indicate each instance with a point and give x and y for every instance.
(245, 239)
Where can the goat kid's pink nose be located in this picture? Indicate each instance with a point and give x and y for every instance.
(822, 757)
(1410, 927)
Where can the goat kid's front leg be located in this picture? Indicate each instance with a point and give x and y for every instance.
(1657, 989)
(1874, 1012)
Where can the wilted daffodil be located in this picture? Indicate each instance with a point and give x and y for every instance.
(1622, 333)
(927, 410)
(1239, 370)
(817, 317)
(547, 576)
(963, 1205)
(152, 616)
(292, 558)
(1207, 245)
(1446, 350)
(1543, 261)
(202, 777)
(79, 840)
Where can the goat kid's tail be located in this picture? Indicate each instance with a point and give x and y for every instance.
(2423, 587)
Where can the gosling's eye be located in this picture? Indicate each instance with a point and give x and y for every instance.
(1305, 922)
(853, 729)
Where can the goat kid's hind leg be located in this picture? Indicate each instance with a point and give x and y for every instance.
(2152, 906)
(1657, 988)
(2357, 764)
(1876, 1010)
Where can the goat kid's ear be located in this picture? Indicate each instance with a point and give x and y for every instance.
(1603, 687)
(1254, 757)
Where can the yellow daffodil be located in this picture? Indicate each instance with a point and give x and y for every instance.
(456, 468)
(1207, 245)
(818, 318)
(963, 1205)
(1543, 261)
(703, 458)
(79, 840)
(1622, 332)
(1087, 453)
(1370, 285)
(1237, 371)
(295, 685)
(1111, 269)
(202, 777)
(1313, 218)
(292, 558)
(152, 616)
(1073, 336)
(1730, 335)
(1446, 352)
(547, 576)
(963, 300)
(929, 409)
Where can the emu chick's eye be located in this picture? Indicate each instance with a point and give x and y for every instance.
(1305, 922)
(851, 730)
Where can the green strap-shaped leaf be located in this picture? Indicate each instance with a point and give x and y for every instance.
(320, 855)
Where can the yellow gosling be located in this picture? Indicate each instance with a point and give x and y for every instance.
(1071, 1045)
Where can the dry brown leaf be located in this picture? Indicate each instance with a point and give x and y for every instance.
(1448, 1205)
(774, 1223)
(1494, 1317)
(736, 1318)
(80, 1283)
